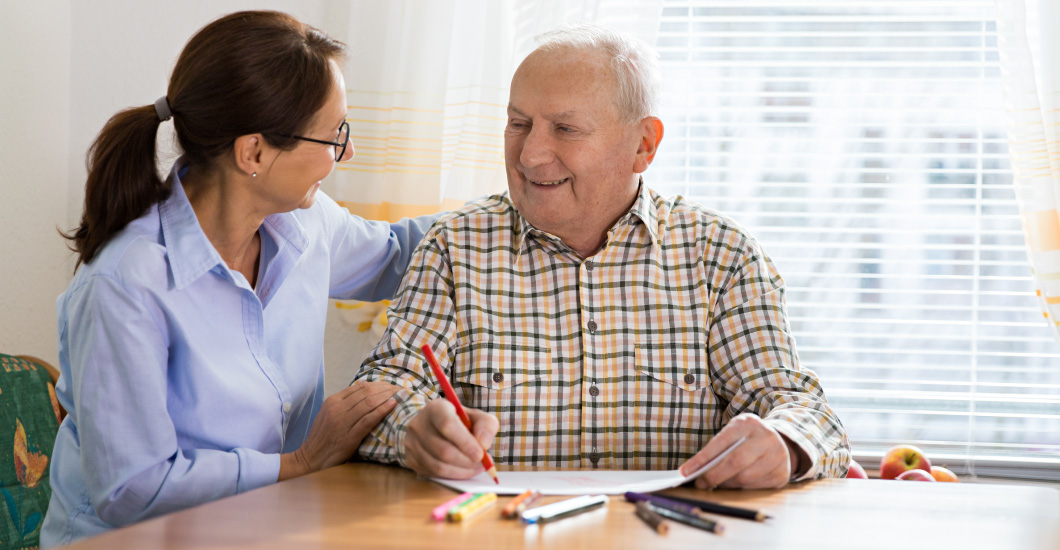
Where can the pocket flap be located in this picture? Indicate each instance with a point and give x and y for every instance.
(502, 365)
(679, 363)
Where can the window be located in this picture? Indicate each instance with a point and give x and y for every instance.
(864, 144)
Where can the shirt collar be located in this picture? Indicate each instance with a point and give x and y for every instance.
(190, 252)
(643, 209)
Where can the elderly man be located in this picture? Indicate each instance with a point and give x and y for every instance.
(588, 322)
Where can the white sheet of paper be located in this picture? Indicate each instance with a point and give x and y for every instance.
(580, 482)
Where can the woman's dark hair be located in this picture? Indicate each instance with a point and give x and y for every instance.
(248, 72)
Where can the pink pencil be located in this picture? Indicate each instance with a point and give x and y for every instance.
(439, 511)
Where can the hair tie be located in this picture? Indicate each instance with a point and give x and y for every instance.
(162, 109)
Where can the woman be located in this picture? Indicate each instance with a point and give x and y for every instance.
(191, 337)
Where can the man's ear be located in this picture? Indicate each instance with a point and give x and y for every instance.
(248, 151)
(651, 134)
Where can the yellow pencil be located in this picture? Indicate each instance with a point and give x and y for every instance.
(460, 506)
(474, 508)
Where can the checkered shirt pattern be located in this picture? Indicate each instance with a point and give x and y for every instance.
(631, 359)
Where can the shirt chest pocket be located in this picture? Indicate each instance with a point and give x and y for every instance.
(682, 364)
(512, 381)
(489, 367)
(676, 408)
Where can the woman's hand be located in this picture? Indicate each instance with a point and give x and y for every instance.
(344, 420)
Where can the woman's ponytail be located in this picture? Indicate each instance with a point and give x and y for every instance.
(123, 180)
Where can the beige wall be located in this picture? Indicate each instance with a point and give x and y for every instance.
(35, 89)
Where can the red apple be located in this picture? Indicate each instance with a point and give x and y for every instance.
(943, 474)
(856, 471)
(915, 475)
(901, 458)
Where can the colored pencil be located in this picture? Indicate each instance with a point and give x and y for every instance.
(722, 509)
(701, 523)
(511, 510)
(569, 510)
(450, 394)
(528, 503)
(456, 509)
(439, 512)
(472, 509)
(532, 516)
(653, 519)
(679, 507)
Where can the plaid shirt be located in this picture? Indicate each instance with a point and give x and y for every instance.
(631, 359)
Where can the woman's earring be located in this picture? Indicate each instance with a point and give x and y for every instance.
(254, 175)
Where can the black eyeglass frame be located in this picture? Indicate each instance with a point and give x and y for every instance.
(341, 147)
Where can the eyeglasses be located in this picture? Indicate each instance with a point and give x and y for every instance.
(340, 145)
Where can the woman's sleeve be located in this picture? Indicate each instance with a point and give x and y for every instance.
(369, 258)
(422, 313)
(131, 463)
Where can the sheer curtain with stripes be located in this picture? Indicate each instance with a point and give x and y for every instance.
(864, 144)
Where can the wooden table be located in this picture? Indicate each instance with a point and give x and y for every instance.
(375, 506)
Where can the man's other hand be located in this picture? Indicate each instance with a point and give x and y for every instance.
(765, 460)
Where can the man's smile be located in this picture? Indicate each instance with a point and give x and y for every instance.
(549, 183)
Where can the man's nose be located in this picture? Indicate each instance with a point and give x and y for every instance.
(537, 148)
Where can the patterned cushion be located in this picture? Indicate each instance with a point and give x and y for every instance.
(29, 420)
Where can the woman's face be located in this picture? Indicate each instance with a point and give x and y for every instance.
(292, 177)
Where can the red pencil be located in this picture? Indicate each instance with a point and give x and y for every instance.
(450, 394)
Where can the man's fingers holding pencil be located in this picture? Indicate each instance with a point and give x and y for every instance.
(429, 452)
(484, 426)
(428, 462)
(438, 444)
(448, 424)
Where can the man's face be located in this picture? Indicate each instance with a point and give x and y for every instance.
(569, 157)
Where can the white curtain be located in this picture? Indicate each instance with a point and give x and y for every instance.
(428, 90)
(1029, 46)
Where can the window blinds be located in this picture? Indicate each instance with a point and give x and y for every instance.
(863, 143)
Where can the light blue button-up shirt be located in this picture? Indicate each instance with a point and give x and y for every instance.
(183, 383)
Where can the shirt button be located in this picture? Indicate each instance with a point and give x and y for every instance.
(286, 407)
(591, 326)
(594, 457)
(589, 265)
(498, 377)
(594, 391)
(690, 378)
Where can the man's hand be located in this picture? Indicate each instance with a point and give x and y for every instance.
(438, 445)
(764, 461)
(345, 418)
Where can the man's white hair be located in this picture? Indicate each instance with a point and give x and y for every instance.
(634, 63)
